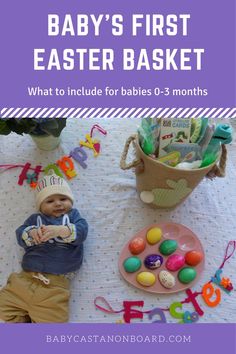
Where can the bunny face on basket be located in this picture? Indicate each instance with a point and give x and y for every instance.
(162, 258)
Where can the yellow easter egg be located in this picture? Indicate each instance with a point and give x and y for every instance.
(154, 235)
(146, 278)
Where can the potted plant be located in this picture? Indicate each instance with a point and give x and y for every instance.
(44, 131)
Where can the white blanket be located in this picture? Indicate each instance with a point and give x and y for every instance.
(107, 198)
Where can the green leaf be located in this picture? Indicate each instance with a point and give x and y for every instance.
(4, 129)
(34, 126)
(54, 126)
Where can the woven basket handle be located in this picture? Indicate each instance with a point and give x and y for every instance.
(219, 169)
(123, 164)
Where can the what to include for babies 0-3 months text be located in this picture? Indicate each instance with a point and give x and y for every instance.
(112, 91)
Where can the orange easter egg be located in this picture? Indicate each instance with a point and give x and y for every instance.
(137, 245)
(193, 258)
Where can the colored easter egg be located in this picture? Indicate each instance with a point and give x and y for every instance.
(175, 262)
(146, 278)
(153, 261)
(154, 235)
(137, 245)
(132, 264)
(168, 247)
(166, 279)
(193, 258)
(187, 274)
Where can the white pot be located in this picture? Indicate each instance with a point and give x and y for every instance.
(46, 142)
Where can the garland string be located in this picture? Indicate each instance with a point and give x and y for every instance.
(228, 254)
(100, 129)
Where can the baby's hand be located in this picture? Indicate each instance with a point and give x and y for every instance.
(52, 231)
(36, 235)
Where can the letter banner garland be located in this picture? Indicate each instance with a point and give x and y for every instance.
(64, 165)
(210, 295)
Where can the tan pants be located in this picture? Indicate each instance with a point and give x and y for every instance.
(26, 298)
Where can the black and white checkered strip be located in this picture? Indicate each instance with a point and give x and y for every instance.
(117, 112)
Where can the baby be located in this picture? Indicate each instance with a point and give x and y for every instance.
(53, 244)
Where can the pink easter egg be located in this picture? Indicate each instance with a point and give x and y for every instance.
(175, 262)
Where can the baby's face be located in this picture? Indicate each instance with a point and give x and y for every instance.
(56, 205)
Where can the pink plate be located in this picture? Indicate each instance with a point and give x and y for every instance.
(186, 240)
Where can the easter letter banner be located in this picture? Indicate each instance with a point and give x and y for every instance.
(88, 58)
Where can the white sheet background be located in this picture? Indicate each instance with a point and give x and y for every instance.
(106, 197)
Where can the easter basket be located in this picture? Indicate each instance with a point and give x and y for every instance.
(162, 186)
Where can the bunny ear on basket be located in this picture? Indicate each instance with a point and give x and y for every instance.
(156, 181)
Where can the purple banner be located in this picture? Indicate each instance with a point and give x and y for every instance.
(117, 54)
(104, 338)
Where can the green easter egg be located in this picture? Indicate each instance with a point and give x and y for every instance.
(167, 247)
(132, 264)
(187, 274)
